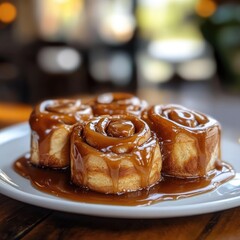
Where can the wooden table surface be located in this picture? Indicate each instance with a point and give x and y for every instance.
(19, 220)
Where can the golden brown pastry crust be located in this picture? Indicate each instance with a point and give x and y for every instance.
(51, 123)
(115, 154)
(189, 141)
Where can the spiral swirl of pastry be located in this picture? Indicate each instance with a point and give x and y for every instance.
(189, 140)
(117, 104)
(51, 123)
(183, 116)
(115, 154)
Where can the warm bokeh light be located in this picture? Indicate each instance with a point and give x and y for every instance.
(166, 19)
(176, 50)
(206, 8)
(59, 17)
(8, 12)
(117, 28)
(197, 69)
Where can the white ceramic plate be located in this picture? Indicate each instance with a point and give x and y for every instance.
(15, 141)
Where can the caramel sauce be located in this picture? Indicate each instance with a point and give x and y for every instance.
(57, 183)
(177, 124)
(120, 128)
(117, 104)
(102, 138)
(51, 114)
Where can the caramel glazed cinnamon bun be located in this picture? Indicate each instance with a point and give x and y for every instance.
(117, 104)
(51, 123)
(115, 154)
(189, 140)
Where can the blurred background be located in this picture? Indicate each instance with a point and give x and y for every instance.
(61, 48)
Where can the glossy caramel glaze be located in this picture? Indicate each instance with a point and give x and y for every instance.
(118, 104)
(190, 141)
(119, 152)
(57, 183)
(50, 114)
(51, 123)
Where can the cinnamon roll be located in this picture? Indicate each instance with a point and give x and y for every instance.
(115, 154)
(189, 140)
(117, 104)
(51, 123)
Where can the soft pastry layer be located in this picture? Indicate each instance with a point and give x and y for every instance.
(51, 124)
(115, 154)
(117, 104)
(190, 141)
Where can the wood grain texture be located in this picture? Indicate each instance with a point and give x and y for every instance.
(227, 226)
(16, 219)
(8, 207)
(69, 226)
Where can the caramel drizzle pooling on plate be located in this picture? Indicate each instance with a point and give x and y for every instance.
(115, 138)
(170, 120)
(118, 104)
(57, 183)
